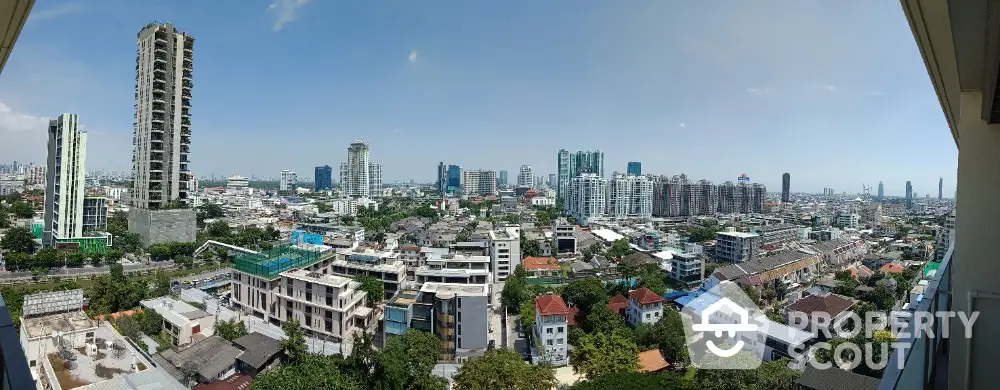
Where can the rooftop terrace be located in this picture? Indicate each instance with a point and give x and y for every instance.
(108, 358)
(50, 324)
(269, 264)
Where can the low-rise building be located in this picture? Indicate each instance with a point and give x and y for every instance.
(457, 313)
(551, 331)
(541, 267)
(454, 268)
(182, 321)
(563, 237)
(383, 265)
(505, 251)
(644, 307)
(327, 306)
(776, 235)
(736, 247)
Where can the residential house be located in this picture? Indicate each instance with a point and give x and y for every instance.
(804, 311)
(260, 354)
(644, 307)
(551, 331)
(541, 267)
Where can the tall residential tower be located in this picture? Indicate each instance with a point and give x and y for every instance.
(64, 186)
(786, 187)
(359, 177)
(161, 134)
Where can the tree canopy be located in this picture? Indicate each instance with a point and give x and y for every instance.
(602, 353)
(295, 343)
(633, 381)
(503, 369)
(585, 294)
(372, 286)
(231, 330)
(18, 240)
(310, 372)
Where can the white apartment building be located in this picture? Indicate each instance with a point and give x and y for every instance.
(587, 197)
(162, 128)
(116, 193)
(944, 237)
(505, 251)
(847, 220)
(288, 180)
(383, 265)
(629, 196)
(454, 268)
(551, 330)
(324, 305)
(479, 182)
(644, 307)
(359, 177)
(65, 184)
(736, 247)
(181, 320)
(524, 177)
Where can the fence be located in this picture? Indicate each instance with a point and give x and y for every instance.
(270, 263)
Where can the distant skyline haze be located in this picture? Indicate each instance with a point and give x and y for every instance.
(834, 93)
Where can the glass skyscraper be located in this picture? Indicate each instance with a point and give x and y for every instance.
(323, 178)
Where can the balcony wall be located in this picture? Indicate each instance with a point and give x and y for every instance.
(926, 361)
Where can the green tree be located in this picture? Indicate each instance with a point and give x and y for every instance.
(372, 286)
(585, 293)
(407, 362)
(310, 372)
(21, 209)
(323, 207)
(19, 240)
(211, 211)
(527, 314)
(503, 369)
(515, 290)
(652, 277)
(774, 375)
(294, 344)
(667, 335)
(633, 381)
(151, 322)
(512, 218)
(231, 330)
(619, 248)
(603, 320)
(605, 353)
(4, 218)
(219, 229)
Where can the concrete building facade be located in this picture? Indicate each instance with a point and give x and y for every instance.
(64, 189)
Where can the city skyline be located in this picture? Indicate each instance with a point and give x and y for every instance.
(411, 86)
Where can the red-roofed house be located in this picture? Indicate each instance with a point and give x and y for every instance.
(618, 304)
(540, 267)
(892, 268)
(551, 330)
(652, 361)
(644, 307)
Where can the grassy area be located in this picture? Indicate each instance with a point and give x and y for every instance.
(86, 282)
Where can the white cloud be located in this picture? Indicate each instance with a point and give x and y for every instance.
(24, 136)
(827, 87)
(55, 12)
(413, 56)
(286, 11)
(397, 130)
(682, 125)
(754, 91)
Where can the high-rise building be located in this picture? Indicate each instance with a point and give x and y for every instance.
(940, 188)
(502, 178)
(909, 194)
(586, 198)
(563, 169)
(287, 181)
(64, 187)
(162, 128)
(524, 177)
(323, 178)
(634, 168)
(454, 178)
(786, 187)
(629, 196)
(587, 162)
(552, 181)
(442, 178)
(881, 191)
(359, 177)
(479, 182)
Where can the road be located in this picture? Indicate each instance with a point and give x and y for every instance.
(85, 270)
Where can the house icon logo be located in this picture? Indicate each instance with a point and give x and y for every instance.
(723, 328)
(730, 329)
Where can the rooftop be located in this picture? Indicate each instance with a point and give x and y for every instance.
(149, 379)
(447, 290)
(211, 356)
(312, 276)
(831, 304)
(110, 358)
(551, 304)
(257, 348)
(269, 264)
(738, 234)
(50, 324)
(645, 296)
(532, 263)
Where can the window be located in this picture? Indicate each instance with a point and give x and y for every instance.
(460, 330)
(559, 330)
(548, 330)
(559, 341)
(548, 342)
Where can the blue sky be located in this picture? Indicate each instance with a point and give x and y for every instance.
(833, 92)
